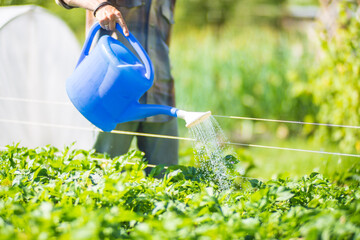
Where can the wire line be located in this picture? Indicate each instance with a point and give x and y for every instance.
(127, 163)
(287, 121)
(296, 149)
(95, 129)
(151, 135)
(33, 101)
(217, 116)
(178, 138)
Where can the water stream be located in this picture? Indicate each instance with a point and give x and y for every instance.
(210, 149)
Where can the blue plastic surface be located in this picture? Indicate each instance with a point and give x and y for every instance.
(108, 82)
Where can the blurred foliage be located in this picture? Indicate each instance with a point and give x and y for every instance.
(303, 2)
(335, 85)
(245, 72)
(216, 13)
(199, 12)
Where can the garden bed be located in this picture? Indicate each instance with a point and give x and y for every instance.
(50, 194)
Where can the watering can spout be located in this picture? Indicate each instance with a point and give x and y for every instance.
(138, 111)
(193, 118)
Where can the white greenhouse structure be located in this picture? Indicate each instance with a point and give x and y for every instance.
(38, 52)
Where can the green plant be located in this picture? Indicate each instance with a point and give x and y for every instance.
(335, 83)
(76, 194)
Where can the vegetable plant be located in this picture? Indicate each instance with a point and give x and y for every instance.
(46, 193)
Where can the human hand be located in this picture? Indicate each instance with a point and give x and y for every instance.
(108, 16)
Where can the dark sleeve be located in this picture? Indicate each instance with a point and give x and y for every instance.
(63, 4)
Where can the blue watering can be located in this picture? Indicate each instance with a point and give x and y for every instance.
(108, 82)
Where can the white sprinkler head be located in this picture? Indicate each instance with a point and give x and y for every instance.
(193, 118)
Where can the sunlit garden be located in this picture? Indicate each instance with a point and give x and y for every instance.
(281, 79)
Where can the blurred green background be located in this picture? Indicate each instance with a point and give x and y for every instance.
(264, 59)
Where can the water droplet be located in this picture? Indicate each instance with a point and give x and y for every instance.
(210, 148)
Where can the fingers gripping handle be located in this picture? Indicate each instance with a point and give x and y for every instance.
(131, 39)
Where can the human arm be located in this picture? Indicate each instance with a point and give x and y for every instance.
(107, 15)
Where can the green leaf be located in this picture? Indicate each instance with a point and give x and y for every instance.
(314, 174)
(157, 170)
(255, 183)
(175, 176)
(284, 196)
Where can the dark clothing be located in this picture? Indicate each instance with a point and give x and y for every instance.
(150, 22)
(157, 150)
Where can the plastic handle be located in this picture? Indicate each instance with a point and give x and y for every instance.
(88, 42)
(131, 39)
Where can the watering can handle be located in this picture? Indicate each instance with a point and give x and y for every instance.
(131, 39)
